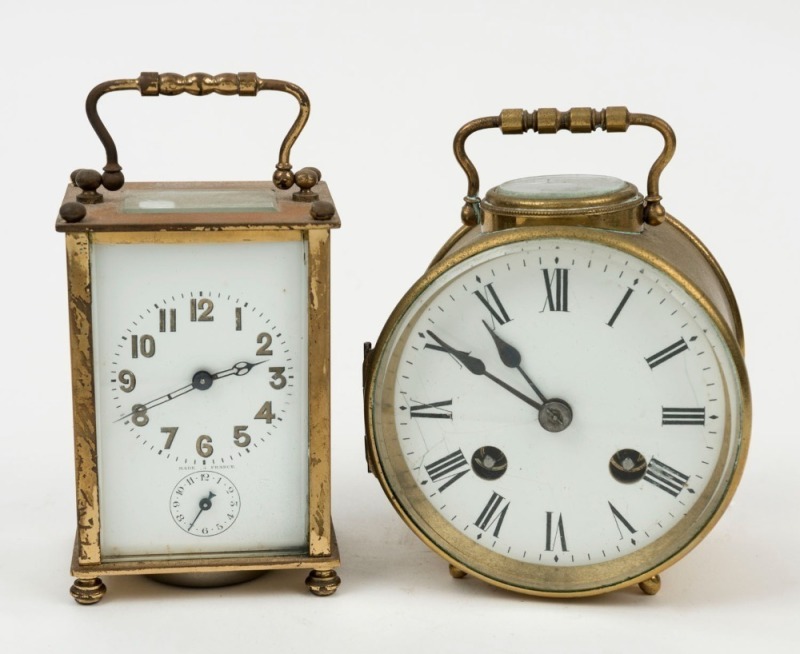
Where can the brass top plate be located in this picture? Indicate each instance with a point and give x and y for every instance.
(148, 206)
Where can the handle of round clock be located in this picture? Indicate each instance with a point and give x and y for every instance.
(576, 120)
(150, 84)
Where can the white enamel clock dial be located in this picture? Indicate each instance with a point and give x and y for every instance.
(201, 379)
(557, 415)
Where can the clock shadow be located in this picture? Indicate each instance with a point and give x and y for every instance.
(135, 588)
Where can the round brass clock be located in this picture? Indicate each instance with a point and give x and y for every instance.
(199, 317)
(559, 406)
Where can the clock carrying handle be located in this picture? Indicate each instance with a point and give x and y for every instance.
(149, 84)
(576, 120)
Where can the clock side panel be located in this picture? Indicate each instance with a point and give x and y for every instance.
(81, 347)
(319, 356)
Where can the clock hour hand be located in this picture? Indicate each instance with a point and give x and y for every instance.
(477, 367)
(511, 358)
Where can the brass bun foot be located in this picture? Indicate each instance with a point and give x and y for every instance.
(651, 586)
(323, 582)
(457, 573)
(88, 591)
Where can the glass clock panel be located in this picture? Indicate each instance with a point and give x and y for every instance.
(558, 404)
(201, 390)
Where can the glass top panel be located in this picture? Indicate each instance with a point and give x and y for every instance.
(200, 201)
(560, 187)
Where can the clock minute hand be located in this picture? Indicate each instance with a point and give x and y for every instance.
(238, 369)
(511, 358)
(477, 367)
(159, 400)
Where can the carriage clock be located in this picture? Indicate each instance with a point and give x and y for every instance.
(200, 344)
(559, 405)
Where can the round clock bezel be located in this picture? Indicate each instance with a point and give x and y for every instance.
(391, 469)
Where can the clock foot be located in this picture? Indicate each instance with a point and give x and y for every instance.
(323, 582)
(457, 573)
(651, 586)
(88, 591)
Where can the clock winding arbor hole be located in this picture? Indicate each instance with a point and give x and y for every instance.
(627, 466)
(489, 463)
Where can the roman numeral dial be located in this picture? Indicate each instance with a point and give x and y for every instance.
(556, 402)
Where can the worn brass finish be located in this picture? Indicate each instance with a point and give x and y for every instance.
(651, 586)
(87, 550)
(287, 216)
(152, 84)
(620, 210)
(577, 120)
(322, 552)
(290, 221)
(88, 591)
(664, 248)
(323, 582)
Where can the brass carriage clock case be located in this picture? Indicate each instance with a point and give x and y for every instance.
(262, 431)
(559, 405)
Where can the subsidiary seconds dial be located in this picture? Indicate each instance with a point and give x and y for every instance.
(202, 377)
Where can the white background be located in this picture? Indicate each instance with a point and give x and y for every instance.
(389, 87)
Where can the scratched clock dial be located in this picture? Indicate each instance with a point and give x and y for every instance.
(557, 404)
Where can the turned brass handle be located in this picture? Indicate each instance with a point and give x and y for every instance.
(149, 84)
(577, 120)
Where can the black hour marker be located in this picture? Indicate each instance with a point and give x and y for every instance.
(238, 316)
(431, 410)
(554, 533)
(556, 285)
(665, 477)
(667, 353)
(620, 307)
(491, 301)
(683, 416)
(620, 520)
(493, 514)
(450, 468)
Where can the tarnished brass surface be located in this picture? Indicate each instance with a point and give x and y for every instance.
(105, 224)
(208, 563)
(577, 120)
(620, 210)
(664, 248)
(88, 591)
(109, 215)
(319, 394)
(323, 582)
(83, 411)
(152, 84)
(651, 586)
